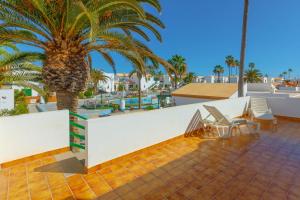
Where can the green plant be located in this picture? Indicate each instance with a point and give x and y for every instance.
(115, 107)
(149, 108)
(20, 105)
(89, 93)
(20, 108)
(81, 95)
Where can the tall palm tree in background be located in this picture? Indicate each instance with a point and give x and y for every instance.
(66, 32)
(96, 76)
(253, 75)
(139, 76)
(179, 69)
(230, 62)
(290, 70)
(218, 70)
(243, 50)
(17, 68)
(150, 65)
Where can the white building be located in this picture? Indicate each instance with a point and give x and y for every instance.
(146, 82)
(109, 84)
(7, 99)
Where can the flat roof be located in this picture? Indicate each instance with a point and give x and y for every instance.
(207, 90)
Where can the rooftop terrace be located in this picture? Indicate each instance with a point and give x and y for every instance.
(263, 166)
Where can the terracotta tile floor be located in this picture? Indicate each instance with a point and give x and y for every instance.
(265, 166)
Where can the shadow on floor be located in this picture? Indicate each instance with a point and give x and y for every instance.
(70, 165)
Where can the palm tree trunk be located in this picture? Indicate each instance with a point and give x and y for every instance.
(140, 93)
(243, 50)
(219, 78)
(67, 100)
(229, 73)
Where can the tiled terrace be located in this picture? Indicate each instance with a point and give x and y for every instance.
(265, 166)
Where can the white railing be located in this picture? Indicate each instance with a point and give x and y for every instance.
(30, 134)
(114, 136)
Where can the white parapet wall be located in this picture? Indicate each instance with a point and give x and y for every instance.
(260, 87)
(286, 107)
(115, 136)
(30, 134)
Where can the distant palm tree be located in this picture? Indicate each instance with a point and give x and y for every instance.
(253, 75)
(189, 78)
(284, 74)
(97, 76)
(290, 71)
(141, 71)
(218, 70)
(243, 49)
(229, 60)
(179, 69)
(236, 65)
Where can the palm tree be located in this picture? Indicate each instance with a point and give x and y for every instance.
(139, 76)
(68, 31)
(218, 70)
(290, 70)
(17, 68)
(179, 69)
(189, 78)
(96, 76)
(252, 65)
(243, 49)
(149, 66)
(253, 75)
(284, 74)
(229, 60)
(236, 65)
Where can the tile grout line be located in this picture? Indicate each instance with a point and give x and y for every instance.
(48, 185)
(73, 195)
(27, 181)
(88, 185)
(7, 189)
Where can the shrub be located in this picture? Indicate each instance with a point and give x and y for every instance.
(88, 93)
(149, 108)
(115, 107)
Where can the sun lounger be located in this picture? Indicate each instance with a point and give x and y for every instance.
(260, 110)
(222, 122)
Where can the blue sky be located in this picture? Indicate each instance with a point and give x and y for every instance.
(205, 31)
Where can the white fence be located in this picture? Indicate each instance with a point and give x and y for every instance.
(114, 136)
(30, 134)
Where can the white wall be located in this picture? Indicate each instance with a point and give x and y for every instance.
(30, 134)
(292, 89)
(7, 99)
(260, 87)
(289, 107)
(114, 136)
(281, 104)
(188, 100)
